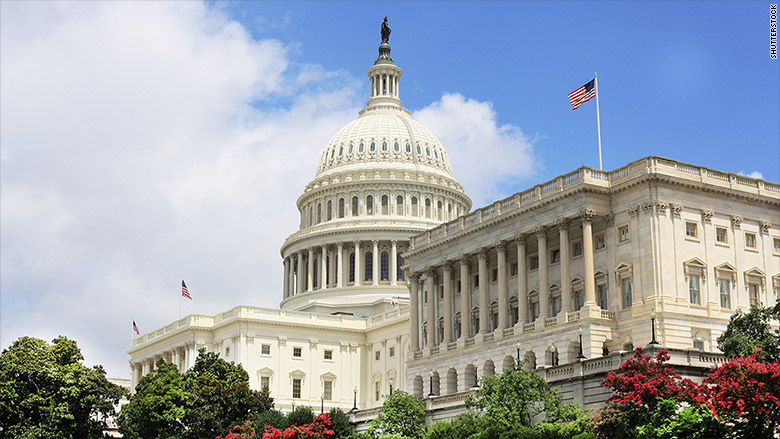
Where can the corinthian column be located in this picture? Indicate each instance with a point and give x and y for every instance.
(429, 287)
(301, 278)
(484, 282)
(310, 271)
(544, 293)
(358, 263)
(465, 302)
(414, 282)
(447, 311)
(587, 256)
(563, 232)
(340, 265)
(286, 287)
(503, 293)
(393, 265)
(375, 260)
(522, 281)
(323, 268)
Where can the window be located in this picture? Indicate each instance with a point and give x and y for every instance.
(227, 351)
(576, 248)
(330, 210)
(555, 255)
(579, 300)
(753, 295)
(384, 146)
(265, 382)
(419, 151)
(534, 310)
(628, 347)
(399, 205)
(600, 240)
(750, 240)
(265, 349)
(776, 245)
(327, 354)
(414, 206)
(319, 213)
(399, 262)
(721, 236)
(327, 390)
(691, 230)
(494, 274)
(476, 281)
(392, 351)
(408, 148)
(533, 262)
(427, 207)
(297, 352)
(724, 285)
(352, 267)
(316, 273)
(625, 289)
(556, 305)
(384, 266)
(369, 266)
(360, 148)
(385, 205)
(513, 269)
(438, 211)
(603, 296)
(377, 389)
(377, 355)
(698, 345)
(623, 234)
(369, 205)
(341, 208)
(372, 147)
(354, 206)
(349, 151)
(296, 388)
(693, 289)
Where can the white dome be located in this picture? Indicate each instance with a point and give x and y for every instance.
(387, 137)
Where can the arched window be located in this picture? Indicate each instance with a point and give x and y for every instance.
(369, 266)
(319, 213)
(384, 146)
(396, 147)
(427, 207)
(384, 266)
(349, 151)
(408, 148)
(369, 205)
(385, 205)
(419, 151)
(360, 148)
(354, 206)
(330, 210)
(399, 205)
(399, 261)
(316, 273)
(311, 216)
(436, 153)
(438, 211)
(341, 208)
(449, 211)
(414, 206)
(341, 150)
(372, 148)
(352, 267)
(428, 151)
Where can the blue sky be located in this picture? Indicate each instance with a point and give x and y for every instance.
(146, 141)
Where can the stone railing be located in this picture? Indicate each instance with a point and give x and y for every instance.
(448, 400)
(588, 176)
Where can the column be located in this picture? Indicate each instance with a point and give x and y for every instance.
(465, 287)
(563, 233)
(447, 311)
(340, 265)
(484, 283)
(301, 278)
(358, 261)
(186, 357)
(323, 268)
(544, 293)
(503, 293)
(287, 271)
(393, 262)
(414, 280)
(429, 287)
(522, 281)
(332, 269)
(310, 271)
(175, 358)
(375, 261)
(587, 257)
(291, 276)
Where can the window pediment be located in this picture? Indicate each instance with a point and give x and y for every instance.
(726, 271)
(696, 267)
(577, 283)
(623, 270)
(755, 275)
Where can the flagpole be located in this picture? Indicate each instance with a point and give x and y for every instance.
(598, 117)
(180, 298)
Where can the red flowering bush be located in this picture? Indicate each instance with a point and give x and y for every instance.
(319, 429)
(245, 431)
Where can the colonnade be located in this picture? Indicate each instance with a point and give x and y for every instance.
(183, 357)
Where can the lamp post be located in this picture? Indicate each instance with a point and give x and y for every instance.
(430, 395)
(476, 377)
(652, 327)
(391, 385)
(554, 361)
(322, 404)
(580, 357)
(354, 403)
(517, 348)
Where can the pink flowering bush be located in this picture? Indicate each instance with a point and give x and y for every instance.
(319, 429)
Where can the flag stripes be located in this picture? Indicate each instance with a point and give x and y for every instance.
(184, 291)
(582, 94)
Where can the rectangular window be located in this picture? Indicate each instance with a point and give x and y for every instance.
(441, 292)
(328, 354)
(476, 281)
(555, 255)
(514, 264)
(534, 310)
(691, 230)
(392, 351)
(753, 295)
(297, 352)
(693, 289)
(698, 345)
(626, 290)
(377, 355)
(265, 382)
(556, 305)
(579, 300)
(534, 262)
(600, 240)
(296, 388)
(377, 389)
(623, 233)
(459, 287)
(495, 275)
(628, 347)
(327, 390)
(776, 246)
(576, 248)
(227, 351)
(721, 235)
(265, 349)
(603, 297)
(725, 293)
(750, 240)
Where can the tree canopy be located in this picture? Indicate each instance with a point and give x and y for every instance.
(46, 391)
(749, 331)
(402, 415)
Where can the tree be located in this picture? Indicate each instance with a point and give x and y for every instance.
(46, 391)
(158, 406)
(402, 415)
(339, 423)
(514, 397)
(302, 415)
(749, 331)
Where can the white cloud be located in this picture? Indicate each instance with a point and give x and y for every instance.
(754, 174)
(485, 156)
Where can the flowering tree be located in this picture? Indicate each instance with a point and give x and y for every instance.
(319, 429)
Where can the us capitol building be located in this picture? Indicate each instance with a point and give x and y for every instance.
(393, 282)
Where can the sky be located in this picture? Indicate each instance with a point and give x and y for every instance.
(146, 142)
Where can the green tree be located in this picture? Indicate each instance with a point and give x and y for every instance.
(302, 415)
(402, 415)
(274, 418)
(462, 427)
(749, 331)
(158, 406)
(515, 397)
(339, 423)
(46, 391)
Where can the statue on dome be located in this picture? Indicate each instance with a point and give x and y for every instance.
(385, 31)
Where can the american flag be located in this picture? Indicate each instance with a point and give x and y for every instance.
(135, 328)
(184, 291)
(582, 94)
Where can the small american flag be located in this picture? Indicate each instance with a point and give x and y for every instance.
(135, 328)
(582, 94)
(184, 291)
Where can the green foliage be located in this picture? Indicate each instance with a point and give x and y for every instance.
(515, 397)
(156, 409)
(462, 427)
(402, 415)
(339, 423)
(46, 391)
(274, 418)
(300, 416)
(669, 422)
(749, 331)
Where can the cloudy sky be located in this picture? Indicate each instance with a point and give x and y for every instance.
(145, 141)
